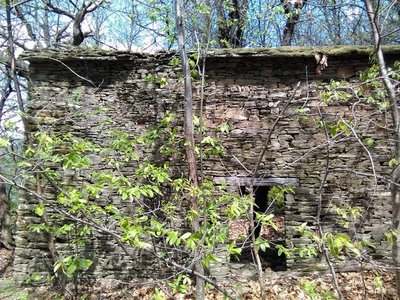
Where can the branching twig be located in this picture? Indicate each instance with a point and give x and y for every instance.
(267, 141)
(320, 193)
(365, 148)
(117, 237)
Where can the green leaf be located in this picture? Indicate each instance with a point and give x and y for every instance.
(224, 128)
(172, 238)
(233, 250)
(209, 258)
(393, 162)
(262, 244)
(378, 282)
(71, 270)
(85, 263)
(191, 243)
(369, 142)
(175, 61)
(39, 210)
(391, 236)
(186, 236)
(283, 250)
(368, 243)
(4, 142)
(57, 266)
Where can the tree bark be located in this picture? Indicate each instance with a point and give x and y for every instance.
(189, 140)
(28, 140)
(5, 218)
(391, 93)
(292, 18)
(231, 25)
(78, 36)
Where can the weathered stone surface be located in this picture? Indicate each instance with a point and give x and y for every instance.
(245, 89)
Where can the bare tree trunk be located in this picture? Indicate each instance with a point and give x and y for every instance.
(46, 27)
(231, 24)
(5, 219)
(189, 140)
(390, 89)
(293, 16)
(18, 93)
(78, 36)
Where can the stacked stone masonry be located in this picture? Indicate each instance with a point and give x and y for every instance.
(245, 88)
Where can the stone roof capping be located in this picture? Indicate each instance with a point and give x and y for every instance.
(75, 53)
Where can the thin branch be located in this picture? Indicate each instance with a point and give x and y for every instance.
(28, 26)
(73, 72)
(5, 93)
(365, 148)
(58, 10)
(101, 229)
(267, 141)
(320, 229)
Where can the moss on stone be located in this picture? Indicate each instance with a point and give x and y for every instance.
(74, 53)
(302, 51)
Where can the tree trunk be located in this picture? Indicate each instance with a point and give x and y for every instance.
(390, 89)
(231, 24)
(28, 141)
(293, 16)
(189, 139)
(5, 219)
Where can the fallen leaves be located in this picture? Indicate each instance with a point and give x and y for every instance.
(354, 286)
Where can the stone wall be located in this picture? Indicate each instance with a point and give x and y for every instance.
(246, 89)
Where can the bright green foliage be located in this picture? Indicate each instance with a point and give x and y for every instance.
(157, 219)
(266, 220)
(72, 264)
(4, 143)
(336, 128)
(313, 291)
(233, 250)
(277, 193)
(339, 242)
(308, 251)
(336, 243)
(391, 236)
(310, 289)
(334, 92)
(160, 81)
(159, 295)
(302, 113)
(181, 284)
(212, 146)
(378, 280)
(224, 128)
(373, 90)
(175, 61)
(262, 244)
(393, 162)
(369, 142)
(347, 215)
(283, 250)
(239, 205)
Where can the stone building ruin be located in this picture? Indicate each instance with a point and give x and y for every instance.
(246, 89)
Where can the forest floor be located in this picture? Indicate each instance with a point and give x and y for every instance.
(354, 285)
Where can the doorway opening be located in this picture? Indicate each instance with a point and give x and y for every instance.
(275, 236)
